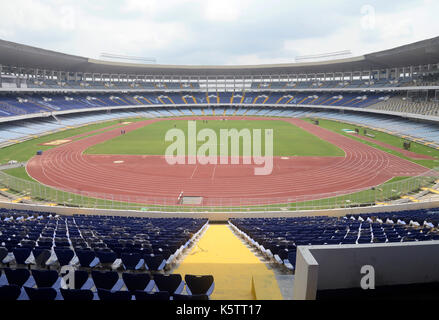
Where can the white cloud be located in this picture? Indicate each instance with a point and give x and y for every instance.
(391, 29)
(85, 33)
(5, 33)
(215, 31)
(151, 8)
(68, 18)
(129, 37)
(223, 10)
(37, 15)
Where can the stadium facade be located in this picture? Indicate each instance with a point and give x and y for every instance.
(401, 82)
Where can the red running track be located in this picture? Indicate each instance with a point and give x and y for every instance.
(150, 179)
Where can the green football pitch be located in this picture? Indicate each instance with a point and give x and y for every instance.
(288, 140)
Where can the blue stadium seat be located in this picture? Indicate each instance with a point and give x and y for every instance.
(41, 257)
(18, 277)
(172, 283)
(46, 279)
(106, 257)
(64, 256)
(21, 255)
(154, 263)
(76, 295)
(137, 281)
(108, 280)
(41, 294)
(107, 295)
(3, 253)
(87, 258)
(9, 292)
(82, 280)
(132, 261)
(199, 285)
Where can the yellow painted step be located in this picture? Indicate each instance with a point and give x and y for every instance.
(237, 272)
(412, 199)
(265, 288)
(431, 190)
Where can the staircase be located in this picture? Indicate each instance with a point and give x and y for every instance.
(56, 118)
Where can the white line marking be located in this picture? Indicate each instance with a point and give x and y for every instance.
(194, 172)
(214, 170)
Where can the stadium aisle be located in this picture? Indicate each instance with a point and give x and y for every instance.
(221, 254)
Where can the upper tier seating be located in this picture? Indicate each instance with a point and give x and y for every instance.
(63, 84)
(13, 105)
(402, 104)
(320, 84)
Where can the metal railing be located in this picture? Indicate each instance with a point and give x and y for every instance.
(30, 191)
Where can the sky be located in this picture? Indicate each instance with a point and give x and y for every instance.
(217, 32)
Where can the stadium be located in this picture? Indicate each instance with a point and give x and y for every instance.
(351, 148)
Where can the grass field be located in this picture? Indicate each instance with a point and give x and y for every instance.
(288, 139)
(25, 150)
(20, 173)
(386, 138)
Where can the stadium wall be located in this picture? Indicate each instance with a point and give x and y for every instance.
(334, 267)
(221, 217)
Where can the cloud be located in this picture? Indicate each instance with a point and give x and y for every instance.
(216, 31)
(224, 10)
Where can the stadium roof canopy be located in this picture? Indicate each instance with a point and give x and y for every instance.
(17, 55)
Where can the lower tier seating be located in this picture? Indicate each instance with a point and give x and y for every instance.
(278, 238)
(116, 258)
